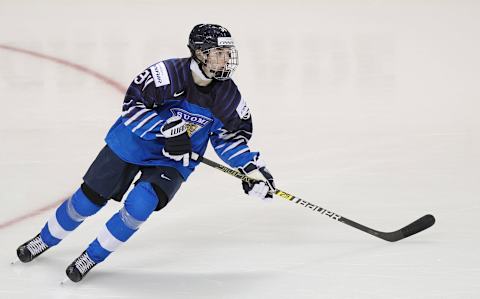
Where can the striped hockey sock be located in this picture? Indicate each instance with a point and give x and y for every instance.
(139, 205)
(68, 216)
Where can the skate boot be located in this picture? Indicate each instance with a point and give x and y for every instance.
(31, 249)
(80, 267)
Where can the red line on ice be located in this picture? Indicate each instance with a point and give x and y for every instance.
(31, 214)
(119, 87)
(110, 82)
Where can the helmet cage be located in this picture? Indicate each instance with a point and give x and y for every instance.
(218, 62)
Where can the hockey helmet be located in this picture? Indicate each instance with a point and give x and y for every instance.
(213, 49)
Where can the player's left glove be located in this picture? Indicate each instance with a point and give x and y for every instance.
(263, 189)
(178, 146)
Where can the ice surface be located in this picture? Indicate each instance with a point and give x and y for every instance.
(367, 108)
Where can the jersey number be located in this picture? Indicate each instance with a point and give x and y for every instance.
(145, 77)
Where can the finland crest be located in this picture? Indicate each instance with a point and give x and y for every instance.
(194, 121)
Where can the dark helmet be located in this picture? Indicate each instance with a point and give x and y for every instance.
(206, 38)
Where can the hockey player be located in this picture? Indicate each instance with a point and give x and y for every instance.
(171, 110)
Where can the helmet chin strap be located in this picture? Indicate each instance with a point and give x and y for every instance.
(199, 76)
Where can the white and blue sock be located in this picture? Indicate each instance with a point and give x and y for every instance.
(68, 216)
(139, 205)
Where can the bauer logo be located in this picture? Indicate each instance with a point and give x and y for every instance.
(318, 209)
(160, 74)
(225, 41)
(194, 121)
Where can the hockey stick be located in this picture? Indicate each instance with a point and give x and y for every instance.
(415, 227)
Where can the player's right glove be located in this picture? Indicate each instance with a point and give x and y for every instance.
(177, 142)
(265, 187)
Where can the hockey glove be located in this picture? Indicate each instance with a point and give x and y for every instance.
(177, 142)
(265, 187)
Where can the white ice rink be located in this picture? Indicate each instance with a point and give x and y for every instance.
(367, 108)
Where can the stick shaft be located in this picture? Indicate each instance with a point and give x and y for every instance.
(280, 193)
(413, 228)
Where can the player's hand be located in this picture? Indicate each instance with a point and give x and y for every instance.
(177, 142)
(266, 185)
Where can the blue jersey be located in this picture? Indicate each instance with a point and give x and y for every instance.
(216, 112)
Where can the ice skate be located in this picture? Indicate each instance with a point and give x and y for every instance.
(80, 267)
(31, 249)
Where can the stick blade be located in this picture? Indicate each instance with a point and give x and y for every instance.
(415, 227)
(418, 225)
